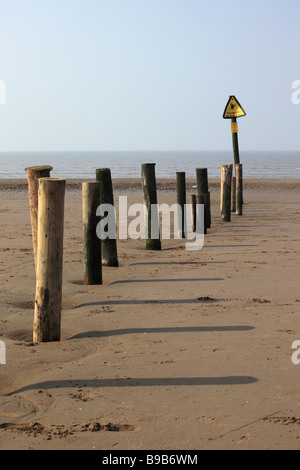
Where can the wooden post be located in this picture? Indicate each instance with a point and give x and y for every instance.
(202, 188)
(226, 175)
(208, 209)
(193, 204)
(202, 181)
(233, 194)
(239, 188)
(150, 203)
(235, 143)
(92, 265)
(181, 201)
(108, 245)
(235, 146)
(201, 199)
(48, 297)
(33, 173)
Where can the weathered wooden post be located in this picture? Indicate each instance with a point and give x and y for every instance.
(108, 245)
(235, 143)
(33, 174)
(202, 181)
(207, 217)
(226, 175)
(181, 201)
(150, 203)
(193, 204)
(239, 188)
(207, 204)
(201, 199)
(92, 263)
(202, 188)
(48, 296)
(233, 194)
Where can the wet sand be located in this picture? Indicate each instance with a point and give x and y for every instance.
(177, 349)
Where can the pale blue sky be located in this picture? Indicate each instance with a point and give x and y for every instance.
(148, 74)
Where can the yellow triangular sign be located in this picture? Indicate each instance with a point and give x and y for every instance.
(233, 109)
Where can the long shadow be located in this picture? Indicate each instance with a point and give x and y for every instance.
(180, 329)
(233, 234)
(233, 227)
(229, 246)
(263, 212)
(139, 382)
(126, 281)
(178, 262)
(150, 301)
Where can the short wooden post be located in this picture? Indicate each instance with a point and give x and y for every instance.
(150, 203)
(108, 245)
(201, 199)
(48, 297)
(239, 188)
(202, 188)
(33, 174)
(181, 201)
(92, 263)
(193, 204)
(226, 175)
(233, 194)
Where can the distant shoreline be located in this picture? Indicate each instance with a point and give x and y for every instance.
(163, 184)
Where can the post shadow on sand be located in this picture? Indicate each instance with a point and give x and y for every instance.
(126, 281)
(147, 301)
(199, 263)
(139, 382)
(175, 329)
(230, 246)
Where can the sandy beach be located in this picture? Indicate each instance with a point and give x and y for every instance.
(176, 350)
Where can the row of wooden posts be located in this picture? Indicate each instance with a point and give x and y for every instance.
(46, 198)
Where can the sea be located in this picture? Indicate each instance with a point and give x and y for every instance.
(127, 164)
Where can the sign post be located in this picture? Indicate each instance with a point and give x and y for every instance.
(234, 110)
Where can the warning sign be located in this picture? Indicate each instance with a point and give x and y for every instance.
(233, 109)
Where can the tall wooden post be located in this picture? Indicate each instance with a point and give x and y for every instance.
(48, 297)
(33, 174)
(202, 180)
(226, 175)
(235, 143)
(109, 245)
(150, 203)
(239, 188)
(92, 263)
(202, 188)
(181, 201)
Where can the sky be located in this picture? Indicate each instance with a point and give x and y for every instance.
(148, 74)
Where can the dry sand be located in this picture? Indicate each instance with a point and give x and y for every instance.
(177, 350)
